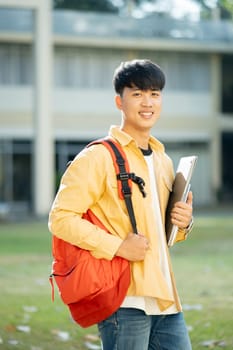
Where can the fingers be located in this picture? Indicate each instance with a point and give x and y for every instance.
(190, 198)
(144, 240)
(134, 247)
(181, 214)
(181, 220)
(188, 203)
(140, 243)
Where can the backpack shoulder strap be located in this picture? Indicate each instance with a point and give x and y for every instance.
(124, 177)
(120, 163)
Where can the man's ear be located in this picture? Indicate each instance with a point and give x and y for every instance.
(118, 101)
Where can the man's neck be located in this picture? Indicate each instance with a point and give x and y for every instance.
(140, 137)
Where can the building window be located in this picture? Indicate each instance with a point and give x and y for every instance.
(15, 171)
(184, 71)
(227, 84)
(227, 167)
(16, 64)
(86, 67)
(65, 152)
(92, 68)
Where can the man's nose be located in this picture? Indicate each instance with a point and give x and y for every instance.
(146, 101)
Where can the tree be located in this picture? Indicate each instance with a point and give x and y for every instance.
(224, 8)
(207, 7)
(85, 5)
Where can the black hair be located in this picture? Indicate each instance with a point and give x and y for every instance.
(143, 74)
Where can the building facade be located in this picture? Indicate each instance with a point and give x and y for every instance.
(197, 116)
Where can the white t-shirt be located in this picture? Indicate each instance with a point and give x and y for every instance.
(148, 304)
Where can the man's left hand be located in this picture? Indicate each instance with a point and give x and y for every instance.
(181, 214)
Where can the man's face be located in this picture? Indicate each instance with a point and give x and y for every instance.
(140, 108)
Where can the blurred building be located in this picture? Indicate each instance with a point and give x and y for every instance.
(197, 116)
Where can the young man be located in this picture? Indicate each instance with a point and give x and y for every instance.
(150, 316)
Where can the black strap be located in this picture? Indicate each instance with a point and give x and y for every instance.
(124, 177)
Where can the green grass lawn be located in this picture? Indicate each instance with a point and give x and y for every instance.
(30, 321)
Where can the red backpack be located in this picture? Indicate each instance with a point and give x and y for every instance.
(93, 288)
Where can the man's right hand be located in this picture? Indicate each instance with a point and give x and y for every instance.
(134, 247)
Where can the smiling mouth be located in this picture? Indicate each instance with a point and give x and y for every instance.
(146, 114)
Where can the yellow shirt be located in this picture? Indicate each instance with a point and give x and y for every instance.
(90, 183)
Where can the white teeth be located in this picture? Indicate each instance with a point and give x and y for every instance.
(146, 113)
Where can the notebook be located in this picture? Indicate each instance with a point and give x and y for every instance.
(180, 190)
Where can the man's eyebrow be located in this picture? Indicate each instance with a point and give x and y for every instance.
(135, 88)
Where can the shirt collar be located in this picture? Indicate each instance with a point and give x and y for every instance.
(124, 139)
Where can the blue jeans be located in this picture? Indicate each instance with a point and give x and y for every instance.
(132, 329)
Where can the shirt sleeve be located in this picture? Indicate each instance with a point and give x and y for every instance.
(81, 186)
(182, 234)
